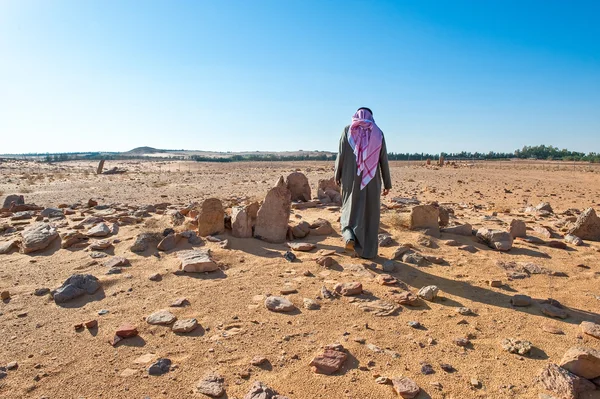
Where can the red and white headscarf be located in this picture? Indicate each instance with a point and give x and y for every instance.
(366, 140)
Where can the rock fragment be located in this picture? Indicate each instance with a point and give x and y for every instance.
(330, 361)
(212, 384)
(279, 304)
(405, 387)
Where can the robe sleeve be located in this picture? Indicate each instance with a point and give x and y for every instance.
(339, 161)
(385, 167)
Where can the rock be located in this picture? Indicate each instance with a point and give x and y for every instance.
(325, 261)
(7, 246)
(542, 231)
(572, 239)
(258, 360)
(301, 246)
(348, 289)
(465, 311)
(274, 214)
(13, 198)
(197, 261)
(414, 259)
(126, 331)
(386, 279)
(552, 330)
(144, 240)
(241, 222)
(518, 346)
(330, 361)
(160, 367)
(444, 215)
(99, 230)
(37, 237)
(155, 277)
(41, 291)
(5, 295)
(468, 248)
(377, 307)
(311, 304)
(429, 293)
(462, 342)
(116, 261)
(405, 387)
(587, 226)
(211, 217)
(385, 240)
(321, 227)
(554, 311)
(399, 252)
(76, 286)
(461, 230)
(179, 303)
(167, 243)
(406, 298)
(495, 283)
(518, 228)
(424, 217)
(414, 324)
(562, 382)
(544, 206)
(261, 391)
(12, 366)
(583, 362)
(590, 328)
(100, 244)
(520, 300)
(185, 325)
(557, 244)
(162, 318)
(329, 192)
(297, 184)
(495, 239)
(279, 304)
(301, 230)
(212, 385)
(177, 218)
(72, 237)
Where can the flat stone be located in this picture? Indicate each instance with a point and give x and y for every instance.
(197, 261)
(590, 328)
(406, 298)
(279, 304)
(553, 311)
(552, 330)
(145, 359)
(185, 325)
(348, 289)
(37, 237)
(520, 300)
(126, 330)
(100, 244)
(386, 279)
(116, 261)
(212, 385)
(405, 387)
(301, 246)
(330, 361)
(162, 317)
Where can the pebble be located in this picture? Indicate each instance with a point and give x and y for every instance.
(414, 324)
(155, 277)
(311, 304)
(5, 295)
(160, 367)
(41, 291)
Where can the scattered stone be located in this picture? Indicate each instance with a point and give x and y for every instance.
(301, 230)
(5, 295)
(258, 360)
(274, 214)
(13, 199)
(143, 241)
(468, 248)
(212, 385)
(447, 368)
(401, 250)
(583, 362)
(330, 361)
(326, 293)
(329, 192)
(179, 302)
(518, 346)
(475, 383)
(261, 391)
(405, 387)
(377, 307)
(7, 246)
(289, 256)
(325, 261)
(348, 289)
(386, 279)
(495, 239)
(554, 311)
(167, 243)
(37, 237)
(321, 227)
(427, 369)
(495, 283)
(160, 367)
(185, 325)
(311, 304)
(12, 365)
(552, 330)
(414, 324)
(518, 228)
(572, 239)
(520, 300)
(587, 226)
(383, 380)
(41, 291)
(464, 311)
(197, 261)
(155, 277)
(385, 240)
(414, 258)
(279, 304)
(557, 244)
(424, 217)
(100, 245)
(406, 298)
(76, 286)
(126, 331)
(460, 229)
(462, 342)
(590, 328)
(288, 291)
(429, 293)
(301, 246)
(162, 317)
(99, 230)
(241, 222)
(562, 382)
(116, 261)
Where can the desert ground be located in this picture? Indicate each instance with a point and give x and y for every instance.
(56, 360)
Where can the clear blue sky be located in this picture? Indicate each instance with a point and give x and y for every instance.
(439, 75)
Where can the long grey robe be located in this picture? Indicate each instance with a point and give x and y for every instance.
(361, 208)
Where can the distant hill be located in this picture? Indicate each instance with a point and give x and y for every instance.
(143, 150)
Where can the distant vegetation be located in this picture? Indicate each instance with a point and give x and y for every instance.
(542, 152)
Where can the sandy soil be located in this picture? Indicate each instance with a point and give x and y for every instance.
(55, 361)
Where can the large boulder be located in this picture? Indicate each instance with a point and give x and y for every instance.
(197, 261)
(274, 214)
(13, 198)
(584, 362)
(241, 223)
(76, 286)
(495, 239)
(562, 382)
(37, 237)
(211, 218)
(587, 226)
(298, 185)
